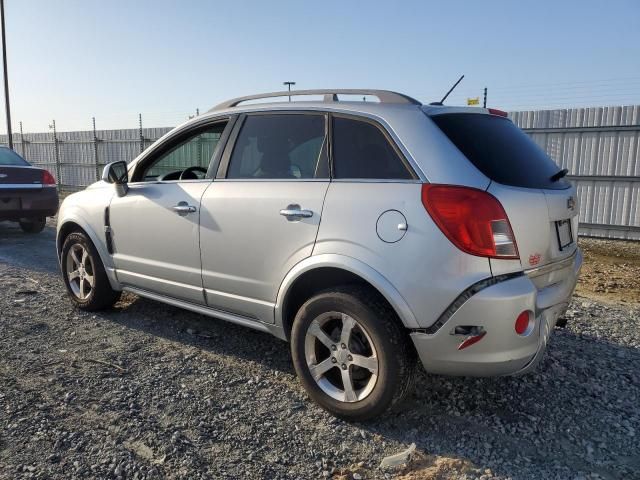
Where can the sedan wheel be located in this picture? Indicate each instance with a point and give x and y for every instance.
(33, 225)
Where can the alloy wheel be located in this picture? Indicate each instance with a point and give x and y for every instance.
(341, 357)
(80, 271)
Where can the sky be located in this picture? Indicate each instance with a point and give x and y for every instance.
(72, 60)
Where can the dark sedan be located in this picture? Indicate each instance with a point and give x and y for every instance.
(28, 194)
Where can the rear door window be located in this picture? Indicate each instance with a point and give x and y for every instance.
(362, 151)
(280, 146)
(500, 150)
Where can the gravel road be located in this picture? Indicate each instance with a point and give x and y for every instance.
(149, 391)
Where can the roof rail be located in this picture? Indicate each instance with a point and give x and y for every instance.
(330, 95)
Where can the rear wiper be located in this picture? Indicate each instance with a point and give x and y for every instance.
(558, 175)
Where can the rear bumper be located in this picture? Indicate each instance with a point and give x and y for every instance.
(502, 351)
(16, 203)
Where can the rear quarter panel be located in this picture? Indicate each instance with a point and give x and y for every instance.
(436, 156)
(424, 266)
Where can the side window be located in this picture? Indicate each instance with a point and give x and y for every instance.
(280, 146)
(361, 151)
(189, 159)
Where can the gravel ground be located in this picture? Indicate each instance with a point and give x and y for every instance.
(149, 391)
(612, 272)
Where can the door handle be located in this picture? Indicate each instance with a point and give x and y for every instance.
(183, 208)
(293, 212)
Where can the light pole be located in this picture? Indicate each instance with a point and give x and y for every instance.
(6, 79)
(288, 84)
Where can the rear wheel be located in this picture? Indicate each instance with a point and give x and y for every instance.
(33, 225)
(84, 275)
(351, 354)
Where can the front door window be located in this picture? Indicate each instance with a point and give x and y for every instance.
(188, 160)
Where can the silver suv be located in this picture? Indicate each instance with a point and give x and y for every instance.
(368, 234)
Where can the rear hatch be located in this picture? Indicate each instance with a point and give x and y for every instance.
(541, 205)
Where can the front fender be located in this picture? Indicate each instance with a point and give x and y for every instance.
(351, 265)
(75, 214)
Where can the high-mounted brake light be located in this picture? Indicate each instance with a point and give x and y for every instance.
(495, 111)
(473, 220)
(47, 178)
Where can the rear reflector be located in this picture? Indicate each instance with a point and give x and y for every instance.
(523, 323)
(47, 178)
(473, 220)
(471, 340)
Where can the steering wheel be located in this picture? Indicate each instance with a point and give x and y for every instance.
(189, 173)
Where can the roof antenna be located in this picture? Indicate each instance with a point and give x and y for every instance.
(450, 90)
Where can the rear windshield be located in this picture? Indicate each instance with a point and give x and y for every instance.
(9, 157)
(500, 150)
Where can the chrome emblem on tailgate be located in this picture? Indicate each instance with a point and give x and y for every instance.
(3, 175)
(571, 203)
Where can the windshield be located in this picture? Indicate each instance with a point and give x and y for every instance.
(9, 157)
(500, 150)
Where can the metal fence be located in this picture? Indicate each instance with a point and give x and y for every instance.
(76, 159)
(599, 146)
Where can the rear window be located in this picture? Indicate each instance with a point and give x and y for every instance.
(9, 157)
(500, 150)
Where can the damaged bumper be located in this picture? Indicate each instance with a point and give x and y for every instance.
(545, 292)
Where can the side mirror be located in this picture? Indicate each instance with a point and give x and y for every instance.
(116, 173)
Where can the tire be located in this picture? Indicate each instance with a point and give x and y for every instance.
(81, 265)
(33, 225)
(390, 354)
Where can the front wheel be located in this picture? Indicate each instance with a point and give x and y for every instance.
(351, 354)
(33, 225)
(84, 275)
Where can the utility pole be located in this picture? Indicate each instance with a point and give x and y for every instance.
(288, 84)
(6, 79)
(484, 102)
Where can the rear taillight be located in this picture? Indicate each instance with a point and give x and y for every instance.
(473, 220)
(47, 178)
